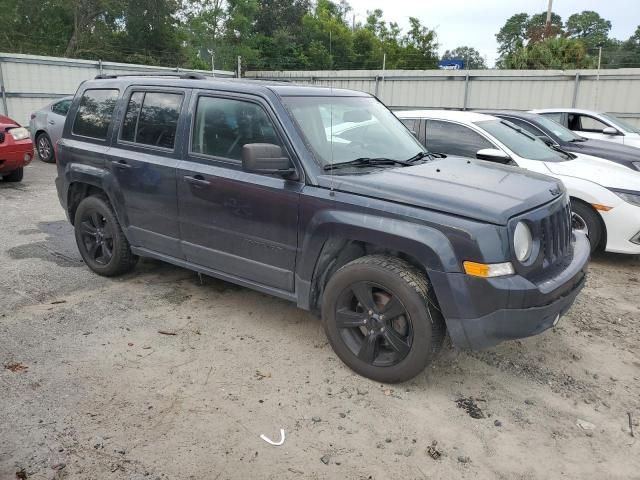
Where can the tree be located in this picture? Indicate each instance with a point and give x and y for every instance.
(627, 53)
(554, 53)
(589, 27)
(471, 56)
(513, 34)
(537, 29)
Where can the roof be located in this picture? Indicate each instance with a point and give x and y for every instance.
(228, 84)
(567, 110)
(512, 113)
(459, 115)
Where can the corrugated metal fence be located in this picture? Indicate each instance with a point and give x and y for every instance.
(615, 91)
(28, 82)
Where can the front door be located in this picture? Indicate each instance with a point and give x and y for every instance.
(592, 127)
(143, 159)
(231, 221)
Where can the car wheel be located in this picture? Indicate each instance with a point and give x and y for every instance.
(586, 220)
(382, 319)
(15, 176)
(101, 242)
(45, 148)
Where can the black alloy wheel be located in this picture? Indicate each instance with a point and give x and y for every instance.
(374, 324)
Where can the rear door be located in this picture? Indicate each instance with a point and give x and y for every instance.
(143, 159)
(235, 222)
(56, 118)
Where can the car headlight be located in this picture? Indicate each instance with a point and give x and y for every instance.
(19, 133)
(636, 165)
(629, 196)
(522, 242)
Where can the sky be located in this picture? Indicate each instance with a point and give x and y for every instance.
(475, 22)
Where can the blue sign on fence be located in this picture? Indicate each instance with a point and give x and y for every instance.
(452, 64)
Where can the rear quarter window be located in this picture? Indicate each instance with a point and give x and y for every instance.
(95, 113)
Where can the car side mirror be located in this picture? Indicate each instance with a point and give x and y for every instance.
(493, 155)
(610, 131)
(266, 158)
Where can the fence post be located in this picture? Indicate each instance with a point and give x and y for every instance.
(5, 108)
(466, 91)
(575, 90)
(239, 66)
(100, 66)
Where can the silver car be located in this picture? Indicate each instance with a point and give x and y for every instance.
(46, 127)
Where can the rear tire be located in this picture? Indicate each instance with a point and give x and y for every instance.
(45, 148)
(585, 219)
(100, 240)
(382, 319)
(15, 176)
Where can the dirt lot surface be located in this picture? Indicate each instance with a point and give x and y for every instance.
(90, 388)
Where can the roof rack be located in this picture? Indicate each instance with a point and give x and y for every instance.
(185, 75)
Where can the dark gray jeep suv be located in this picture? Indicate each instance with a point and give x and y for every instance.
(322, 197)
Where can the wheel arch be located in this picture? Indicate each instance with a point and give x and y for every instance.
(603, 225)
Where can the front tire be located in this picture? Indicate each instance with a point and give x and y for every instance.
(15, 176)
(100, 240)
(382, 319)
(586, 220)
(45, 148)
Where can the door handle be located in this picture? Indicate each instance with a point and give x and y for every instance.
(197, 180)
(121, 164)
(51, 122)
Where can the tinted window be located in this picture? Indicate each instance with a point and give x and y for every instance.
(223, 126)
(62, 107)
(585, 123)
(454, 139)
(555, 116)
(152, 118)
(95, 112)
(409, 123)
(524, 144)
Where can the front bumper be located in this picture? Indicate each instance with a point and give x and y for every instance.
(484, 312)
(622, 223)
(14, 155)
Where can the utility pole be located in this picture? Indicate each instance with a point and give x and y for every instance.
(598, 76)
(213, 65)
(547, 26)
(384, 68)
(239, 66)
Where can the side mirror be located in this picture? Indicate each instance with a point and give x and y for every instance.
(610, 131)
(265, 158)
(493, 155)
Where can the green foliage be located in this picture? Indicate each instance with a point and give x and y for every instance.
(589, 27)
(472, 58)
(554, 53)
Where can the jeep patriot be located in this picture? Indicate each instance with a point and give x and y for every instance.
(322, 197)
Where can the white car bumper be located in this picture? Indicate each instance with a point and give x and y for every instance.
(623, 225)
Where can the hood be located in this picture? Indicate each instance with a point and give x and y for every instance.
(7, 122)
(475, 189)
(607, 150)
(596, 170)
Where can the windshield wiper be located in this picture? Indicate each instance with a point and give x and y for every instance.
(419, 156)
(366, 162)
(579, 139)
(559, 149)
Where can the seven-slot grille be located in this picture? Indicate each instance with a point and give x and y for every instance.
(555, 233)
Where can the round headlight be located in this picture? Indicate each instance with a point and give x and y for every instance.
(522, 242)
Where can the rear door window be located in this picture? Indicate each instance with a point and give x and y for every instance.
(526, 126)
(223, 126)
(454, 139)
(62, 107)
(95, 113)
(152, 119)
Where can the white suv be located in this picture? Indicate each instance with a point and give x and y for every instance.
(598, 125)
(605, 196)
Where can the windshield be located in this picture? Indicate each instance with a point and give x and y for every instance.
(524, 145)
(623, 124)
(343, 129)
(558, 130)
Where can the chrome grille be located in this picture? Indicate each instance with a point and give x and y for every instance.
(556, 235)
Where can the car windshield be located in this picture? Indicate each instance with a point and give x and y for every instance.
(558, 130)
(622, 124)
(343, 129)
(524, 145)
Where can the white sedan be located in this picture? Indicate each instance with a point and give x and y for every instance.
(598, 125)
(605, 196)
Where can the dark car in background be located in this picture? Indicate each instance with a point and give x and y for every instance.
(16, 149)
(249, 182)
(555, 134)
(46, 127)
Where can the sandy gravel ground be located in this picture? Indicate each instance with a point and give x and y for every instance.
(89, 388)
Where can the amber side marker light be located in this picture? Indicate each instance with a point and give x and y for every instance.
(602, 208)
(488, 270)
